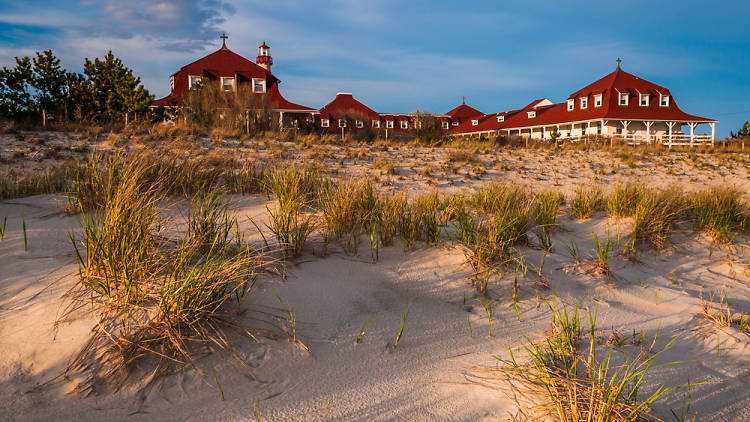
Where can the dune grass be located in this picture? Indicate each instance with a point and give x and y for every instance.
(719, 211)
(655, 214)
(571, 384)
(721, 315)
(586, 200)
(623, 200)
(546, 206)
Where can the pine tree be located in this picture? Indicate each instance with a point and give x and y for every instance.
(114, 89)
(49, 81)
(15, 99)
(744, 131)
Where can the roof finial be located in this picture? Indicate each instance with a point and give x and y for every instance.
(618, 63)
(463, 100)
(223, 41)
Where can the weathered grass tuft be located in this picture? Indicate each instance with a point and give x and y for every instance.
(623, 200)
(719, 211)
(654, 216)
(546, 206)
(587, 200)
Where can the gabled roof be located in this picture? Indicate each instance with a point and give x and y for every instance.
(344, 103)
(225, 62)
(621, 81)
(464, 112)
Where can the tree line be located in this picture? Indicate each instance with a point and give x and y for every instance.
(39, 87)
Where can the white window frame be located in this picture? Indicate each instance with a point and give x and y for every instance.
(663, 100)
(192, 80)
(389, 124)
(500, 119)
(571, 105)
(262, 81)
(531, 114)
(232, 84)
(325, 123)
(623, 96)
(644, 97)
(342, 122)
(475, 122)
(360, 124)
(404, 124)
(597, 100)
(455, 123)
(446, 125)
(584, 103)
(376, 124)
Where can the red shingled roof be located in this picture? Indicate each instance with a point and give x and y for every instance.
(226, 63)
(463, 112)
(343, 104)
(609, 87)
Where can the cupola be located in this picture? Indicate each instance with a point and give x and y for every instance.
(264, 58)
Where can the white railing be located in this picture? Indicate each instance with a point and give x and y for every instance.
(665, 139)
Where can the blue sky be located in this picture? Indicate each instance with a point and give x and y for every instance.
(398, 56)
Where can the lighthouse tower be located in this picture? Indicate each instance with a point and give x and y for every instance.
(264, 58)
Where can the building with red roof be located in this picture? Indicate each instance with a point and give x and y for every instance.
(617, 105)
(230, 71)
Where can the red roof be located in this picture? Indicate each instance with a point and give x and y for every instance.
(226, 63)
(463, 112)
(609, 87)
(344, 104)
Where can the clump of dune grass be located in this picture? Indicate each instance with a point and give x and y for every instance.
(654, 216)
(719, 211)
(721, 315)
(602, 252)
(157, 300)
(623, 200)
(587, 200)
(16, 183)
(546, 206)
(571, 384)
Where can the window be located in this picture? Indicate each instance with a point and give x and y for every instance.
(500, 119)
(624, 98)
(325, 123)
(389, 124)
(584, 103)
(404, 124)
(376, 124)
(531, 114)
(474, 122)
(360, 124)
(598, 100)
(227, 84)
(455, 123)
(664, 100)
(342, 123)
(571, 105)
(193, 81)
(644, 100)
(446, 125)
(259, 85)
(171, 82)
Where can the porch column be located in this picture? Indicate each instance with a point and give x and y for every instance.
(692, 132)
(670, 125)
(281, 119)
(544, 133)
(648, 131)
(625, 124)
(713, 131)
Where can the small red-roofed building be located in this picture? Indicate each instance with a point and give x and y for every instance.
(463, 113)
(618, 105)
(230, 71)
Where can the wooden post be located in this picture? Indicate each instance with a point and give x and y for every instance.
(44, 119)
(126, 118)
(247, 122)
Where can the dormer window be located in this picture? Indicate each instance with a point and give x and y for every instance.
(475, 122)
(360, 124)
(259, 85)
(584, 103)
(446, 125)
(500, 119)
(404, 124)
(624, 98)
(644, 100)
(598, 100)
(455, 123)
(227, 84)
(571, 105)
(193, 81)
(531, 114)
(376, 124)
(389, 124)
(664, 100)
(342, 123)
(325, 123)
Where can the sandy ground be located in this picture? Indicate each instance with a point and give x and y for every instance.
(428, 377)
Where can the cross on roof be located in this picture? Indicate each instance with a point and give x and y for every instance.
(618, 62)
(223, 41)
